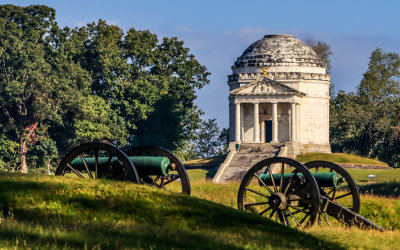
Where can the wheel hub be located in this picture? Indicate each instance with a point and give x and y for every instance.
(278, 201)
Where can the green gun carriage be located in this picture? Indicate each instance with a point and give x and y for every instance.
(298, 195)
(146, 164)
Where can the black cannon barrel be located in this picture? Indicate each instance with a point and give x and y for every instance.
(145, 165)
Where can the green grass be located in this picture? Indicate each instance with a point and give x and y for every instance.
(58, 212)
(204, 162)
(339, 158)
(382, 208)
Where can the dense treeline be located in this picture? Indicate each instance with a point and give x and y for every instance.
(63, 86)
(368, 122)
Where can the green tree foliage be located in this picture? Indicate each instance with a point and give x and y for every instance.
(209, 141)
(9, 154)
(323, 50)
(67, 86)
(175, 117)
(26, 88)
(367, 122)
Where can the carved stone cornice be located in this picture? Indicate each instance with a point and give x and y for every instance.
(279, 76)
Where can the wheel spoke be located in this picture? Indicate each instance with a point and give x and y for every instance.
(299, 188)
(294, 218)
(256, 192)
(255, 204)
(75, 171)
(282, 174)
(272, 178)
(162, 183)
(290, 181)
(305, 217)
(172, 178)
(156, 179)
(265, 210)
(283, 216)
(332, 189)
(109, 160)
(334, 194)
(259, 179)
(343, 195)
(326, 219)
(96, 162)
(272, 214)
(86, 166)
(298, 209)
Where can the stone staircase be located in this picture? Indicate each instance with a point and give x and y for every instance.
(238, 163)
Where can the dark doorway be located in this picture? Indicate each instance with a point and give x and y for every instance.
(268, 131)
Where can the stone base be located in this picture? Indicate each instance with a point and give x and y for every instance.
(293, 149)
(315, 148)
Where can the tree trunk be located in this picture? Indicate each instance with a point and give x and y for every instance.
(23, 152)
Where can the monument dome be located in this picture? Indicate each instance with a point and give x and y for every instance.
(283, 53)
(278, 50)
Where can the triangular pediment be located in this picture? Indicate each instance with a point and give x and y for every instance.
(265, 86)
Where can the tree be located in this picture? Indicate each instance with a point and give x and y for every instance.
(223, 141)
(207, 138)
(323, 50)
(25, 86)
(92, 83)
(178, 75)
(9, 154)
(367, 122)
(43, 88)
(150, 84)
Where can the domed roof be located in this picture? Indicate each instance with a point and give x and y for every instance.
(279, 50)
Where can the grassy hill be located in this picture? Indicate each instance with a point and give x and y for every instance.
(58, 212)
(339, 158)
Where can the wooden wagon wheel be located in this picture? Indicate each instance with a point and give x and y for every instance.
(176, 180)
(98, 160)
(280, 189)
(346, 193)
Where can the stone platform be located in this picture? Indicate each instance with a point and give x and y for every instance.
(237, 164)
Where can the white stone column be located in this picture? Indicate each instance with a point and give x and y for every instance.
(274, 122)
(256, 124)
(293, 122)
(237, 122)
(297, 122)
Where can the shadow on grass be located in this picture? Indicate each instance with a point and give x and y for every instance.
(211, 172)
(387, 189)
(139, 218)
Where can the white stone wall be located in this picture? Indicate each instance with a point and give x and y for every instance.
(248, 123)
(314, 111)
(232, 125)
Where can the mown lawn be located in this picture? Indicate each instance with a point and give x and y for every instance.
(339, 158)
(40, 212)
(380, 203)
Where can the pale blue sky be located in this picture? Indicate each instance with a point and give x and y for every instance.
(217, 32)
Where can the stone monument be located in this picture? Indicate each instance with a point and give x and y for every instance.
(278, 104)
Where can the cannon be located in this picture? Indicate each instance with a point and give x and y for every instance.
(146, 165)
(298, 195)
